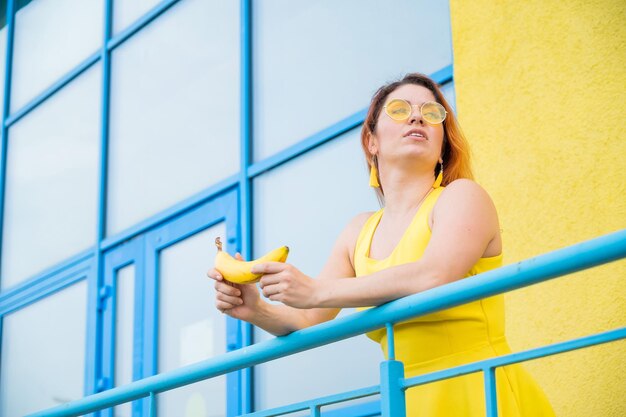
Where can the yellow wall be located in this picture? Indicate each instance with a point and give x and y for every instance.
(541, 96)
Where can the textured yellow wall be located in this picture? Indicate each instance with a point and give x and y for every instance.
(541, 96)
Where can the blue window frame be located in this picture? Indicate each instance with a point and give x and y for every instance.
(143, 251)
(229, 200)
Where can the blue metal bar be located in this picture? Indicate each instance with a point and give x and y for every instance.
(391, 346)
(392, 401)
(583, 255)
(174, 212)
(322, 401)
(307, 144)
(50, 280)
(104, 342)
(109, 45)
(241, 402)
(6, 100)
(491, 398)
(315, 411)
(444, 75)
(48, 92)
(596, 339)
(144, 20)
(152, 412)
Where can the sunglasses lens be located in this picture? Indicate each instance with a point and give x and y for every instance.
(398, 109)
(433, 112)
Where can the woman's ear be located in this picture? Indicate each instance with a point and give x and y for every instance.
(372, 146)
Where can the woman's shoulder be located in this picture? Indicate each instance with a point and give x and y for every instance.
(467, 198)
(465, 190)
(357, 222)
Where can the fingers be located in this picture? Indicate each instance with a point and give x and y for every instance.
(269, 267)
(238, 256)
(270, 290)
(214, 274)
(224, 306)
(228, 300)
(225, 287)
(267, 280)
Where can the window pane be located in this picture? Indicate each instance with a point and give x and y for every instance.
(34, 378)
(318, 62)
(3, 53)
(52, 180)
(174, 110)
(126, 12)
(51, 38)
(124, 318)
(332, 187)
(191, 329)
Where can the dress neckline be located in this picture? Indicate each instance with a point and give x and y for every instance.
(404, 235)
(379, 215)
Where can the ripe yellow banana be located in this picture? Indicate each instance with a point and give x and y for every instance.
(239, 272)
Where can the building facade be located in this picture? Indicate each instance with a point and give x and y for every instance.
(135, 132)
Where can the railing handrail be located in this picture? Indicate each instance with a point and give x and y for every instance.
(531, 271)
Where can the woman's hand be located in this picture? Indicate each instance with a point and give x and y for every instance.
(285, 283)
(240, 301)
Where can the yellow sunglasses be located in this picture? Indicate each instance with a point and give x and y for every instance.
(400, 110)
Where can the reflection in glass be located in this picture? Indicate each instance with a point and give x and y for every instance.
(191, 329)
(52, 180)
(305, 204)
(43, 353)
(174, 110)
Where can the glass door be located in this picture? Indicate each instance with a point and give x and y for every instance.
(160, 313)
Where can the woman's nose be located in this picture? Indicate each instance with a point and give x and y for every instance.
(416, 116)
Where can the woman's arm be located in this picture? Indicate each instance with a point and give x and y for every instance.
(464, 222)
(281, 319)
(243, 301)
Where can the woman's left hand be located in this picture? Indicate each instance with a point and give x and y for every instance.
(285, 283)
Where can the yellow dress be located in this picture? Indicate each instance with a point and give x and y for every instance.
(451, 337)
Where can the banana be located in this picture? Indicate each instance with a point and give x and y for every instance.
(239, 272)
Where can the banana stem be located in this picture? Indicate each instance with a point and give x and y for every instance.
(218, 243)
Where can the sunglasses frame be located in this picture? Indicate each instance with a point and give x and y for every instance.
(445, 113)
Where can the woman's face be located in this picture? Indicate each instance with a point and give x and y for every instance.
(411, 139)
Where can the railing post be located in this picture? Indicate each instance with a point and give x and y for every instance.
(392, 395)
(152, 412)
(392, 403)
(491, 398)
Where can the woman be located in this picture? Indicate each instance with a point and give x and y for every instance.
(437, 226)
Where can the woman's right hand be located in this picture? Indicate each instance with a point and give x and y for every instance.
(240, 301)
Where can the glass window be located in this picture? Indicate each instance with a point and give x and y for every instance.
(125, 12)
(326, 189)
(51, 38)
(191, 329)
(53, 163)
(124, 320)
(3, 53)
(174, 110)
(34, 378)
(366, 42)
(448, 91)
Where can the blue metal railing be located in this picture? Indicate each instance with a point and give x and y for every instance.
(574, 258)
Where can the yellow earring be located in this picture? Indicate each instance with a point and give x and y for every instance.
(439, 177)
(374, 176)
